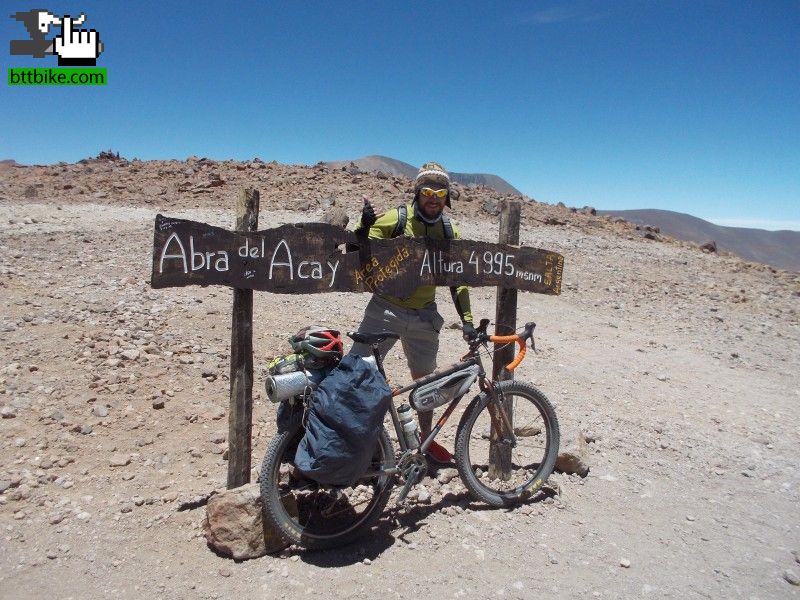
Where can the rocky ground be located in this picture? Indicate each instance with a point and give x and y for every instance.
(680, 366)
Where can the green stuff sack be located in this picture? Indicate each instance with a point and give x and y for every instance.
(286, 364)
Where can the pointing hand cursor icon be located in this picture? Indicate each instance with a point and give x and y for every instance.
(77, 47)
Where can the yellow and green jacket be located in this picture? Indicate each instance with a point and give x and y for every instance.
(424, 295)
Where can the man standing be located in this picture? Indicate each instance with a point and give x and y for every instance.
(415, 318)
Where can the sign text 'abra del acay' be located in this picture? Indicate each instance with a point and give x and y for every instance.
(307, 258)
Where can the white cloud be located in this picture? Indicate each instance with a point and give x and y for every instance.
(768, 224)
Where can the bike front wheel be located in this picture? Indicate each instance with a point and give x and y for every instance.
(499, 466)
(315, 516)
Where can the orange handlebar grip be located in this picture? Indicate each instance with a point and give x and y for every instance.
(515, 363)
(502, 339)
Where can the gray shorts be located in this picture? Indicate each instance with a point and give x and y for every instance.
(418, 329)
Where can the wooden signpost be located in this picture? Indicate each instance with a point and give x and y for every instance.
(505, 324)
(308, 258)
(311, 258)
(240, 419)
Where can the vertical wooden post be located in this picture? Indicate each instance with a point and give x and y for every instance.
(240, 416)
(505, 324)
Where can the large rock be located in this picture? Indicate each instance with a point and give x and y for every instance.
(575, 457)
(235, 526)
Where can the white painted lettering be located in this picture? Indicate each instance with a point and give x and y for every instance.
(333, 268)
(221, 264)
(300, 270)
(426, 263)
(274, 264)
(195, 266)
(182, 255)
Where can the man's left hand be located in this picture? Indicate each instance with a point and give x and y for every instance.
(469, 331)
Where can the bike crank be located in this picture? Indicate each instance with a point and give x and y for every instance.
(412, 473)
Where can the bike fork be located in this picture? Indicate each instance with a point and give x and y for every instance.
(499, 417)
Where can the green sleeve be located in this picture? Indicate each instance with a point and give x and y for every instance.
(461, 300)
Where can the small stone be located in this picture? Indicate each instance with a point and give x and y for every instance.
(98, 410)
(130, 354)
(235, 527)
(367, 561)
(119, 460)
(7, 412)
(169, 497)
(225, 572)
(446, 475)
(661, 377)
(83, 516)
(4, 485)
(158, 403)
(86, 429)
(625, 563)
(52, 554)
(574, 457)
(690, 517)
(126, 508)
(113, 362)
(791, 577)
(527, 430)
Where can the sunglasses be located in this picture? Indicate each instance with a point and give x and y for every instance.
(430, 192)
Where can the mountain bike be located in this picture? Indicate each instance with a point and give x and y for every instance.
(506, 447)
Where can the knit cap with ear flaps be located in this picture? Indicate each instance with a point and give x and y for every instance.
(433, 175)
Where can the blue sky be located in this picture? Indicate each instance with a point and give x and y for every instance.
(685, 105)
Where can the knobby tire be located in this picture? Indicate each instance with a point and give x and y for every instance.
(530, 469)
(279, 493)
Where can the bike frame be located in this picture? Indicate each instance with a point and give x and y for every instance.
(469, 360)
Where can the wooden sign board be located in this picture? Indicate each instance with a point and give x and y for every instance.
(308, 258)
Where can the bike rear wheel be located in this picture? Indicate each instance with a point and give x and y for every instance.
(529, 454)
(315, 516)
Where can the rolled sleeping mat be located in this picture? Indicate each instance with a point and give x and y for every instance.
(287, 385)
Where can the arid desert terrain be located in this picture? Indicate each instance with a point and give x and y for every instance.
(680, 367)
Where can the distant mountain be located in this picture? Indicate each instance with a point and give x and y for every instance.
(780, 249)
(398, 168)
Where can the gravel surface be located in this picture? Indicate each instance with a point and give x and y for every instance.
(680, 367)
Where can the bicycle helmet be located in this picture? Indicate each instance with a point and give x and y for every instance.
(319, 342)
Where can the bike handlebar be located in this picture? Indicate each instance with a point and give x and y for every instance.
(520, 339)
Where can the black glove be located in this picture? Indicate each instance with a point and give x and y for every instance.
(470, 333)
(368, 216)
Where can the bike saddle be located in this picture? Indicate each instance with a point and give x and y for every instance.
(372, 338)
